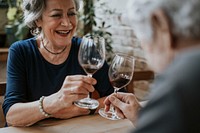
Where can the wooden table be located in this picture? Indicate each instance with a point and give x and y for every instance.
(82, 124)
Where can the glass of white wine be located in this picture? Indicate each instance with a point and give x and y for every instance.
(120, 74)
(91, 57)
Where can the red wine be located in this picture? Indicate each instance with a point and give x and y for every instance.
(90, 69)
(120, 82)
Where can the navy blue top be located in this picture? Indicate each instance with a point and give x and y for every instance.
(30, 76)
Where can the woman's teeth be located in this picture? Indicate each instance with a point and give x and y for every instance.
(63, 32)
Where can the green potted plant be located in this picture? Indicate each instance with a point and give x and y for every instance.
(88, 22)
(15, 29)
(3, 21)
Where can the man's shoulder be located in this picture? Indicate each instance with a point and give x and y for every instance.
(186, 67)
(181, 79)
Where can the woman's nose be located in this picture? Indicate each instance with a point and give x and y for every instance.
(65, 21)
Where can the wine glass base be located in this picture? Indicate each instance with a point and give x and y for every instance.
(108, 115)
(87, 103)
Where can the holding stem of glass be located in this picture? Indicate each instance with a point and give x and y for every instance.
(120, 74)
(91, 57)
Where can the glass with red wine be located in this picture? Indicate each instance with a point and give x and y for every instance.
(120, 74)
(91, 57)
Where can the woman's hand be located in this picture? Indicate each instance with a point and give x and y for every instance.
(75, 87)
(125, 104)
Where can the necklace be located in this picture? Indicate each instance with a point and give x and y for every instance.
(55, 53)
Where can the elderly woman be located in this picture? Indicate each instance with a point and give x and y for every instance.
(47, 65)
(169, 31)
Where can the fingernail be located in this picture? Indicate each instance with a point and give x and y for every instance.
(112, 98)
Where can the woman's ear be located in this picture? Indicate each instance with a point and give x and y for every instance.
(38, 22)
(162, 28)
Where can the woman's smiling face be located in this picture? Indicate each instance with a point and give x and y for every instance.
(58, 22)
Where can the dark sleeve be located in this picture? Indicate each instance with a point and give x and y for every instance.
(162, 114)
(16, 78)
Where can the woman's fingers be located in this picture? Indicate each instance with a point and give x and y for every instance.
(80, 84)
(76, 90)
(83, 78)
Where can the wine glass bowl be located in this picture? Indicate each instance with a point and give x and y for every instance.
(120, 74)
(92, 53)
(91, 57)
(121, 71)
(120, 81)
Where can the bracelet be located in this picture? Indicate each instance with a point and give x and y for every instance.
(41, 108)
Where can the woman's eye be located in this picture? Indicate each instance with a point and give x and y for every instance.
(72, 14)
(56, 15)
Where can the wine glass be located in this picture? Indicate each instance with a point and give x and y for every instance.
(91, 57)
(120, 74)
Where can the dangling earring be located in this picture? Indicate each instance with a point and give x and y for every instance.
(36, 31)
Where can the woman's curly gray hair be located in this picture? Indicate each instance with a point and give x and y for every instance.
(33, 10)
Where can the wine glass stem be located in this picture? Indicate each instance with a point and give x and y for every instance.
(89, 95)
(89, 75)
(112, 109)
